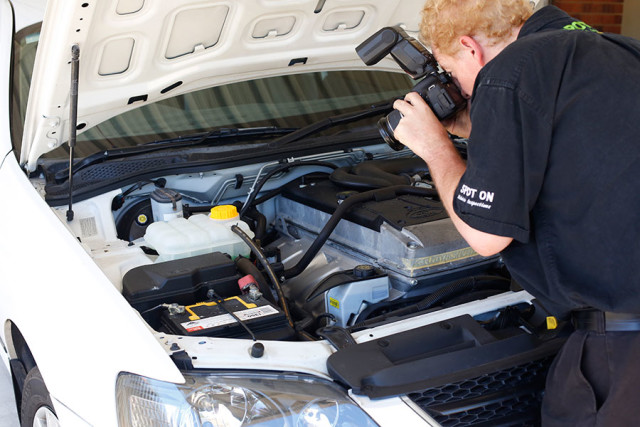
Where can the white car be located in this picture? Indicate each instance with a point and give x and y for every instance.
(202, 226)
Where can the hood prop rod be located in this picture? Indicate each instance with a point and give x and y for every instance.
(73, 119)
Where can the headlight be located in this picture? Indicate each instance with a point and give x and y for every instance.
(235, 400)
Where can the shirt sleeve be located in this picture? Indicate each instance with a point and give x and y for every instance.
(507, 157)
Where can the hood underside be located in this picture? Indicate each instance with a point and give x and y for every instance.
(135, 52)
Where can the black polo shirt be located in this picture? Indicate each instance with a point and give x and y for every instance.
(554, 162)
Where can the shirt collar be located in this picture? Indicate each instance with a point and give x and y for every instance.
(547, 18)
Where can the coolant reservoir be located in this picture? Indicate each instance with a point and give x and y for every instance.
(200, 234)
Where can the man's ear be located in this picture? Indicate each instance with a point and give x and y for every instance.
(472, 47)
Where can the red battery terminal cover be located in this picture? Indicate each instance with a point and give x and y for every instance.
(245, 282)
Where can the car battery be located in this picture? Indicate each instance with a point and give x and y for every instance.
(182, 281)
(213, 319)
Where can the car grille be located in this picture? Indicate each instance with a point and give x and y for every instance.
(508, 397)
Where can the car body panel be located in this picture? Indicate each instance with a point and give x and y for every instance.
(6, 37)
(160, 52)
(85, 342)
(71, 358)
(310, 357)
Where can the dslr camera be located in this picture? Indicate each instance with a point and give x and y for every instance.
(437, 88)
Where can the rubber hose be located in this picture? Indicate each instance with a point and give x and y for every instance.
(380, 194)
(259, 221)
(378, 173)
(267, 267)
(280, 168)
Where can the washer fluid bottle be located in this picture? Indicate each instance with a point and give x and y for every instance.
(200, 234)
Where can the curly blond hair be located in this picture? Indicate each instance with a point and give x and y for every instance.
(445, 20)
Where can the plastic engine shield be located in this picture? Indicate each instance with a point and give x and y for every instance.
(433, 355)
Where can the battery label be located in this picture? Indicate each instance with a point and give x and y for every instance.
(225, 319)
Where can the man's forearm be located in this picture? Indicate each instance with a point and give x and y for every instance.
(446, 168)
(421, 131)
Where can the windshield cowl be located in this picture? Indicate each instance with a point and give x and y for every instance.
(115, 173)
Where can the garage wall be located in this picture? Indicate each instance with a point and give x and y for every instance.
(631, 19)
(604, 15)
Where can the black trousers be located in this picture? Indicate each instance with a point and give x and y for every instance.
(594, 381)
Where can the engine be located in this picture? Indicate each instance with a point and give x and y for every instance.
(342, 248)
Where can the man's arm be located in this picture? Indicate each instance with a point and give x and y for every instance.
(421, 131)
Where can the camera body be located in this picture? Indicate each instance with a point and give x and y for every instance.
(437, 88)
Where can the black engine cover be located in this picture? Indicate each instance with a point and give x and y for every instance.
(403, 211)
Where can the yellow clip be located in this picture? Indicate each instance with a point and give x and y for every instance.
(552, 322)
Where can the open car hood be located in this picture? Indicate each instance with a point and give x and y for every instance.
(135, 52)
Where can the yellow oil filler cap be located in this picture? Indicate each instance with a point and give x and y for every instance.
(223, 212)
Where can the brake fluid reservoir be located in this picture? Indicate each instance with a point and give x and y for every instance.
(200, 234)
(166, 204)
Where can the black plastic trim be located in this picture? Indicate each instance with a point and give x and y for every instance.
(432, 355)
(183, 162)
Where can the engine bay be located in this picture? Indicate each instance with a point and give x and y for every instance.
(351, 252)
(315, 244)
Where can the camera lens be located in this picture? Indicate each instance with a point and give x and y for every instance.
(386, 126)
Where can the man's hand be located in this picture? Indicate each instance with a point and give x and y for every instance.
(419, 128)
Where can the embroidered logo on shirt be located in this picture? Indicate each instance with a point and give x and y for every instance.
(476, 198)
(579, 25)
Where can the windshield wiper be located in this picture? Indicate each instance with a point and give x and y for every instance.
(194, 140)
(220, 133)
(329, 122)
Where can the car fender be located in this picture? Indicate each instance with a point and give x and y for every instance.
(91, 333)
(6, 37)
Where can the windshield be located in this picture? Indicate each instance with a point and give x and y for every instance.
(288, 101)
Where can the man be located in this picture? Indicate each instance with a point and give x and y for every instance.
(551, 182)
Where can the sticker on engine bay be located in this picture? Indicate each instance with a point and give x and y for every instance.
(225, 319)
(88, 227)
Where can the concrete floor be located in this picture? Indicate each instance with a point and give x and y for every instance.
(8, 415)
